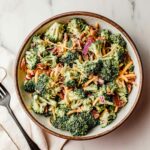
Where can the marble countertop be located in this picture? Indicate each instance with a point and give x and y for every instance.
(19, 17)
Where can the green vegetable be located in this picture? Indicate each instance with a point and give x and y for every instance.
(50, 60)
(36, 40)
(29, 86)
(122, 92)
(110, 69)
(91, 88)
(77, 94)
(69, 57)
(76, 26)
(37, 105)
(106, 118)
(55, 32)
(118, 39)
(77, 125)
(70, 83)
(105, 34)
(42, 83)
(81, 123)
(96, 48)
(93, 67)
(119, 53)
(60, 122)
(31, 59)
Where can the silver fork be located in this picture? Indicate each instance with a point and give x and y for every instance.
(5, 101)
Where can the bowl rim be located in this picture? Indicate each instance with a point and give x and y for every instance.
(80, 13)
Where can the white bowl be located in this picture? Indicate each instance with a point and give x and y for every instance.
(104, 22)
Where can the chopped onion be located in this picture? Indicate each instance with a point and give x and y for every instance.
(102, 99)
(87, 45)
(100, 81)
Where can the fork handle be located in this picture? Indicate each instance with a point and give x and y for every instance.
(32, 145)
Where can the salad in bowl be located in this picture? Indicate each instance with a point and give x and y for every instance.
(79, 75)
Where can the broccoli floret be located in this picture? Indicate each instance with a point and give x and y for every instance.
(31, 59)
(111, 87)
(119, 53)
(93, 67)
(131, 69)
(91, 88)
(80, 92)
(81, 123)
(118, 39)
(37, 105)
(41, 84)
(71, 78)
(29, 86)
(70, 83)
(77, 94)
(61, 110)
(60, 122)
(96, 48)
(77, 125)
(105, 34)
(69, 57)
(106, 118)
(36, 40)
(45, 88)
(122, 93)
(76, 26)
(100, 108)
(50, 60)
(55, 32)
(110, 69)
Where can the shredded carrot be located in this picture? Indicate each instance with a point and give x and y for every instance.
(91, 80)
(95, 101)
(131, 75)
(126, 67)
(116, 109)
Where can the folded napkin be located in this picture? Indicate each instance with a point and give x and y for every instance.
(10, 136)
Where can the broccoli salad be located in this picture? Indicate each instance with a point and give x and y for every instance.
(79, 75)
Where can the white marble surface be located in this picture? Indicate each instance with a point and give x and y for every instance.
(19, 17)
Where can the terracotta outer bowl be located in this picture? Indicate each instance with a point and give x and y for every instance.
(43, 122)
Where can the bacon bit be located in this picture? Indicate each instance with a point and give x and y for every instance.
(30, 72)
(41, 66)
(129, 87)
(119, 103)
(28, 77)
(61, 95)
(54, 50)
(23, 64)
(82, 35)
(97, 26)
(101, 38)
(92, 32)
(95, 114)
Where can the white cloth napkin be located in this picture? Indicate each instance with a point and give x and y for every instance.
(44, 140)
